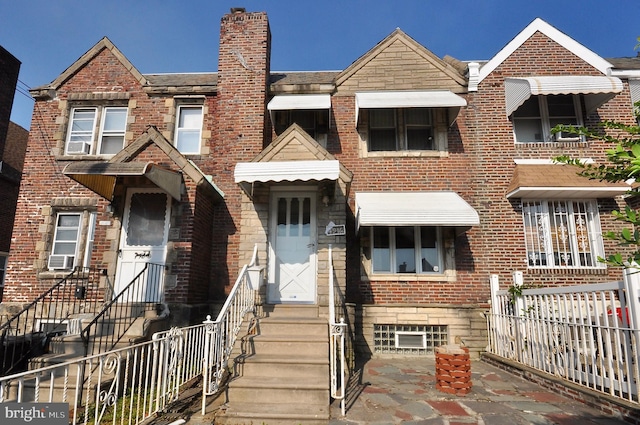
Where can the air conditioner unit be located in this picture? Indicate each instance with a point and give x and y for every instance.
(566, 137)
(61, 262)
(78, 148)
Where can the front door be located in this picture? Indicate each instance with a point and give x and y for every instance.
(292, 248)
(143, 240)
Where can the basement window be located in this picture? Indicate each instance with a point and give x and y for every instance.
(409, 339)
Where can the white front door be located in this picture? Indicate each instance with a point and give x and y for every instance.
(143, 240)
(292, 248)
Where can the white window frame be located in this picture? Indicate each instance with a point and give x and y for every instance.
(545, 121)
(91, 232)
(179, 130)
(393, 257)
(78, 138)
(112, 133)
(88, 143)
(541, 236)
(68, 261)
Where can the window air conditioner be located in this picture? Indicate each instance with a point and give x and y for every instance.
(61, 262)
(78, 148)
(566, 137)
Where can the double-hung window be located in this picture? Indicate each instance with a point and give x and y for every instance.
(189, 129)
(407, 249)
(108, 123)
(66, 240)
(401, 129)
(534, 119)
(562, 233)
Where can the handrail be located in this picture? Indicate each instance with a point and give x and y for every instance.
(221, 334)
(143, 293)
(337, 332)
(27, 332)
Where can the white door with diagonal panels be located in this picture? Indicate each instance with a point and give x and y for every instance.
(292, 248)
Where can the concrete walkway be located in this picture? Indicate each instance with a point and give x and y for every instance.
(403, 391)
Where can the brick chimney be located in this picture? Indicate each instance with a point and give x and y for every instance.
(243, 73)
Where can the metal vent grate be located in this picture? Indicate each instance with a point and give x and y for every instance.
(409, 339)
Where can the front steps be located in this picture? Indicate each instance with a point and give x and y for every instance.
(280, 372)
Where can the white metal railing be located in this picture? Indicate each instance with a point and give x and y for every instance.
(124, 386)
(586, 334)
(337, 331)
(221, 334)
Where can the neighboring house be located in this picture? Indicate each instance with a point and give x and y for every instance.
(13, 144)
(440, 172)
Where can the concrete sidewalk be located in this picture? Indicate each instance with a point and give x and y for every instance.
(403, 391)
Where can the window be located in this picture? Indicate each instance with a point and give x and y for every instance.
(562, 234)
(406, 250)
(65, 241)
(81, 138)
(3, 270)
(401, 129)
(533, 121)
(313, 121)
(189, 129)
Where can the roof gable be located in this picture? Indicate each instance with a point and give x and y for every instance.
(396, 56)
(153, 136)
(538, 25)
(105, 43)
(298, 142)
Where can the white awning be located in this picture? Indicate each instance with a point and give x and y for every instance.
(411, 99)
(287, 102)
(277, 171)
(597, 89)
(414, 209)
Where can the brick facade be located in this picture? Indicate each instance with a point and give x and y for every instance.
(213, 236)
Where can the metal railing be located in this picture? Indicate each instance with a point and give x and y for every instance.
(337, 331)
(123, 386)
(585, 334)
(221, 334)
(58, 310)
(144, 293)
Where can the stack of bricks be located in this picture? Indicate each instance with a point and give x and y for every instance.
(453, 369)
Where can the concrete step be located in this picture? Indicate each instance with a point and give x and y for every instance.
(295, 345)
(288, 310)
(280, 373)
(292, 326)
(296, 413)
(265, 365)
(279, 389)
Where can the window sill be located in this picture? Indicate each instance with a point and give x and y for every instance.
(552, 144)
(406, 154)
(448, 276)
(567, 270)
(83, 157)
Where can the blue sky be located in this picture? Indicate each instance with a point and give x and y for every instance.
(182, 35)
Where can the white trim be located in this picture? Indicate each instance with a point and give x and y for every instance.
(299, 101)
(559, 37)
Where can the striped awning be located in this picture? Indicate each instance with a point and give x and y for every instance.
(597, 89)
(411, 99)
(437, 208)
